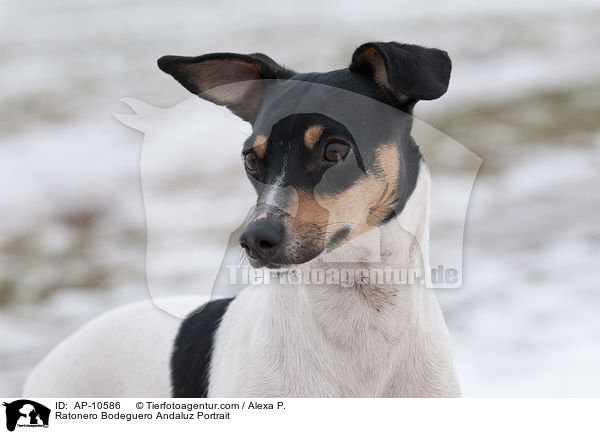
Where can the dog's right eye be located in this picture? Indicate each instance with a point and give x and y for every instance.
(335, 152)
(251, 161)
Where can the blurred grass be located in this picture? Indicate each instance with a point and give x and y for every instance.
(504, 131)
(65, 253)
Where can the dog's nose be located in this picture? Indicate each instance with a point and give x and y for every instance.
(262, 239)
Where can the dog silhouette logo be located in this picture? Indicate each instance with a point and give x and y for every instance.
(26, 413)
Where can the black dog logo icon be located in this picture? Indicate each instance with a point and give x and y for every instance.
(25, 412)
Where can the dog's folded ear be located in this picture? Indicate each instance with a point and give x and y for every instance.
(232, 80)
(408, 72)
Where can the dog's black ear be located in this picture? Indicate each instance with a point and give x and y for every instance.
(232, 80)
(409, 72)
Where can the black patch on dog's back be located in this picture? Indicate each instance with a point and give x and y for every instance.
(192, 350)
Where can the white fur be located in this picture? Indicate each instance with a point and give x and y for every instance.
(275, 191)
(303, 340)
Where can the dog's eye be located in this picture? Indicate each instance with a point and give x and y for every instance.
(335, 151)
(251, 161)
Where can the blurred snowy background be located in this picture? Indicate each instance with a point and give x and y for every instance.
(524, 95)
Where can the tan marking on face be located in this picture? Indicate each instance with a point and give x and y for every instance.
(369, 200)
(307, 227)
(389, 163)
(312, 135)
(309, 210)
(260, 146)
(351, 207)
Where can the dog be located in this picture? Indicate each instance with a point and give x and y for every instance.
(341, 185)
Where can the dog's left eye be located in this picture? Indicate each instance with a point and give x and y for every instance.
(335, 151)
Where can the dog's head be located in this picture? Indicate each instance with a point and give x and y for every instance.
(328, 156)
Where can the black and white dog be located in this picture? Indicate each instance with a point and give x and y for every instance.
(341, 184)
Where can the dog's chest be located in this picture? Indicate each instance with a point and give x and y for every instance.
(280, 346)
